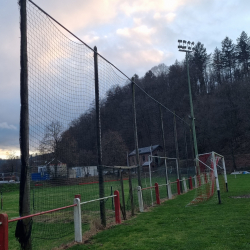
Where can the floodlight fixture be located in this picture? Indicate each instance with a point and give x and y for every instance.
(185, 46)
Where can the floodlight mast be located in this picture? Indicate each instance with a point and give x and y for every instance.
(188, 47)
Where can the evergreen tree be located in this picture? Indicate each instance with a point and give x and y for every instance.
(217, 65)
(243, 52)
(228, 57)
(201, 59)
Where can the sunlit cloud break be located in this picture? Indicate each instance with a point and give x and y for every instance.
(5, 125)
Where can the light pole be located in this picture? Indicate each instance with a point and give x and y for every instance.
(188, 47)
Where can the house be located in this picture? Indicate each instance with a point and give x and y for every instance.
(83, 171)
(155, 150)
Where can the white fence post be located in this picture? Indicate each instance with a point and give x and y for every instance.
(140, 200)
(184, 184)
(78, 220)
(208, 177)
(195, 181)
(169, 190)
(202, 179)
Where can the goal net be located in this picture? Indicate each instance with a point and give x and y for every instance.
(211, 176)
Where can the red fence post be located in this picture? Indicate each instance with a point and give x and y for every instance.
(157, 194)
(3, 231)
(190, 183)
(178, 187)
(78, 196)
(117, 207)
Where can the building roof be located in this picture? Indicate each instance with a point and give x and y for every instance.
(146, 163)
(146, 150)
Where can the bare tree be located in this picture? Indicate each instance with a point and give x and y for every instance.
(49, 145)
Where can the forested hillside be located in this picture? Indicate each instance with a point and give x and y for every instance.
(221, 97)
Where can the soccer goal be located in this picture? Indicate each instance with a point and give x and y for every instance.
(211, 167)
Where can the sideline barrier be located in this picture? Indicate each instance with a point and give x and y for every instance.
(178, 187)
(177, 183)
(3, 231)
(77, 218)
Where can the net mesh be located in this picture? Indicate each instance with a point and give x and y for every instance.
(62, 126)
(205, 182)
(63, 133)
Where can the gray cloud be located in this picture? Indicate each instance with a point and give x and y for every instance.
(134, 35)
(5, 125)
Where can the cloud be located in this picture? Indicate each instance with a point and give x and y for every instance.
(4, 153)
(5, 125)
(131, 7)
(133, 35)
(81, 13)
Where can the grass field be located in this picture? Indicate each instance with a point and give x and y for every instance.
(51, 230)
(173, 225)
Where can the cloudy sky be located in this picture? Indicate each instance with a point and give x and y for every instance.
(135, 35)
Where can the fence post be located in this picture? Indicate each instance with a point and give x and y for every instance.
(190, 183)
(178, 187)
(169, 190)
(78, 220)
(3, 231)
(123, 207)
(131, 193)
(140, 200)
(78, 196)
(184, 184)
(1, 200)
(202, 179)
(195, 181)
(157, 194)
(117, 207)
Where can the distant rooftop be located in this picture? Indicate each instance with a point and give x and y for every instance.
(145, 150)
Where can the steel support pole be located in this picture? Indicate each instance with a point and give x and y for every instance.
(135, 134)
(99, 147)
(24, 197)
(192, 116)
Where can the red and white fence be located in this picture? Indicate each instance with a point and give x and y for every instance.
(169, 189)
(4, 221)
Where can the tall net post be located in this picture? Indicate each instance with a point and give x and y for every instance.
(135, 134)
(177, 150)
(98, 136)
(164, 146)
(23, 229)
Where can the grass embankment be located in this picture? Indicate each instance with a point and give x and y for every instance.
(173, 225)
